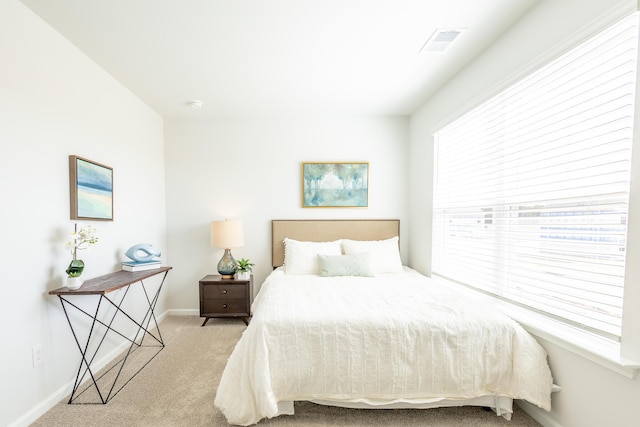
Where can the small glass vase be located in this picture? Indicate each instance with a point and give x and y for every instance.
(76, 268)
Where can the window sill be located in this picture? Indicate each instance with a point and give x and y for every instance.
(594, 348)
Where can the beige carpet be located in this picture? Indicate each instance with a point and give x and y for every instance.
(178, 388)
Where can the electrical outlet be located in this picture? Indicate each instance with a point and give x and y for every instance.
(36, 353)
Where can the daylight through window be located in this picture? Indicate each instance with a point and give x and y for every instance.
(532, 187)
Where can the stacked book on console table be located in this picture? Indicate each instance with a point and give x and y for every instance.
(140, 265)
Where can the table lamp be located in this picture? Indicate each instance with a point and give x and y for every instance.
(227, 234)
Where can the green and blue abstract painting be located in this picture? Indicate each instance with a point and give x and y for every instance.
(335, 184)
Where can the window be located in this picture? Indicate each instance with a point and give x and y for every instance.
(531, 188)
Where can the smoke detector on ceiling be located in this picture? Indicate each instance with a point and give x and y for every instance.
(441, 39)
(195, 104)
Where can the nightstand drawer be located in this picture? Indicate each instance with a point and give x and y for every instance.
(224, 291)
(225, 305)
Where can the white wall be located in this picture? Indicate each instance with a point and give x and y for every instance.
(55, 102)
(591, 395)
(250, 169)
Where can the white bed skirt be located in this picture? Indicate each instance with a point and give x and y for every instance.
(502, 406)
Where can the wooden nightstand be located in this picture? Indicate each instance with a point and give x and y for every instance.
(225, 298)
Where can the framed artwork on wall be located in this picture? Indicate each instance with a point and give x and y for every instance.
(91, 189)
(338, 184)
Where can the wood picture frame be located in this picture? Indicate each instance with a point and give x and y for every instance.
(335, 184)
(90, 189)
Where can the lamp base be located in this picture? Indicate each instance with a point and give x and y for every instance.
(227, 265)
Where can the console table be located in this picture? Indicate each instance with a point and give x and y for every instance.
(101, 322)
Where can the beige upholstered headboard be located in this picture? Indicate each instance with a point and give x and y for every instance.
(326, 230)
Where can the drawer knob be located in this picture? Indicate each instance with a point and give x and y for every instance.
(224, 291)
(224, 305)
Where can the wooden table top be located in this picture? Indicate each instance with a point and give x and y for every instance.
(109, 282)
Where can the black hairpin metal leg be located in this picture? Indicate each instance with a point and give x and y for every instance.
(88, 356)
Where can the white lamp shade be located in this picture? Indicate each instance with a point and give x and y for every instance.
(227, 234)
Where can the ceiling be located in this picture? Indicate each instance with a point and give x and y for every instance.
(263, 57)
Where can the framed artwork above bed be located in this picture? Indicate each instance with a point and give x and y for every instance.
(337, 184)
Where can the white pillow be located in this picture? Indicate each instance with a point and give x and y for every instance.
(385, 254)
(345, 265)
(302, 257)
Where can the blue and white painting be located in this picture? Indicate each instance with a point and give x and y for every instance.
(94, 190)
(335, 185)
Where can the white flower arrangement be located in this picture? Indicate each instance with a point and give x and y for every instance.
(81, 239)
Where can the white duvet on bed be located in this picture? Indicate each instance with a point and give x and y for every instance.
(394, 337)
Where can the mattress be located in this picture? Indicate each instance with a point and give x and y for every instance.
(392, 338)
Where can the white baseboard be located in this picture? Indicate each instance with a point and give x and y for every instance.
(63, 391)
(41, 408)
(184, 312)
(538, 414)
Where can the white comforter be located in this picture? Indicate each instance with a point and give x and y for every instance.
(396, 337)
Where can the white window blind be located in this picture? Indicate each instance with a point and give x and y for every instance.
(531, 188)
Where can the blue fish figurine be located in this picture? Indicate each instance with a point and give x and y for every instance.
(142, 252)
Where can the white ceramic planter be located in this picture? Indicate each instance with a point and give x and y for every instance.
(74, 283)
(243, 276)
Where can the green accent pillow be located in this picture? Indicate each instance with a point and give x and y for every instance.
(345, 265)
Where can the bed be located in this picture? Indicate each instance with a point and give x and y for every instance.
(340, 321)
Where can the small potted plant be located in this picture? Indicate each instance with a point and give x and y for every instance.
(80, 239)
(243, 269)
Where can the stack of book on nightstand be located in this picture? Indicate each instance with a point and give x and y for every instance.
(140, 265)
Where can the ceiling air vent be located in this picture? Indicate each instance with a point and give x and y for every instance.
(440, 40)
